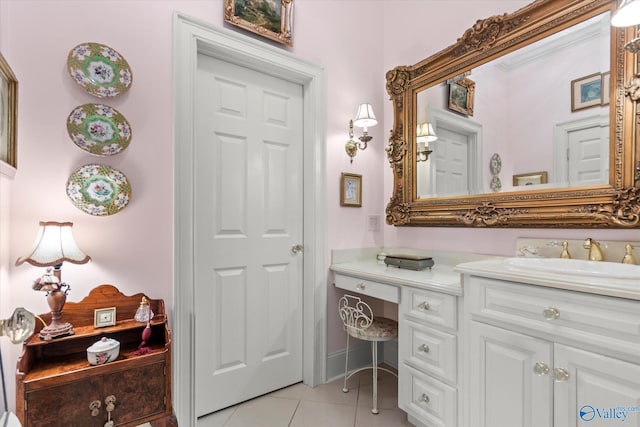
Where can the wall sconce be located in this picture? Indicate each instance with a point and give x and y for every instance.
(364, 119)
(54, 244)
(628, 14)
(424, 135)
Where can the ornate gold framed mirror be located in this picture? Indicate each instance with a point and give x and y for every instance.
(587, 184)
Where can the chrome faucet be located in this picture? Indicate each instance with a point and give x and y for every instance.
(595, 254)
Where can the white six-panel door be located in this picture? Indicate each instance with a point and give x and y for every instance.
(248, 215)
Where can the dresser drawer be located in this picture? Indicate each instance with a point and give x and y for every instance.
(576, 315)
(368, 287)
(429, 350)
(426, 398)
(432, 307)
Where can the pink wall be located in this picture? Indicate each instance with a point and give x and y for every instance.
(355, 41)
(134, 248)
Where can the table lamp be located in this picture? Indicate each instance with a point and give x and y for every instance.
(54, 244)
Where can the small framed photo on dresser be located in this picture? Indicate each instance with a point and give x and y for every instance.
(104, 317)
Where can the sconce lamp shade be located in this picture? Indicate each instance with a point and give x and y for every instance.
(365, 117)
(628, 14)
(425, 132)
(54, 244)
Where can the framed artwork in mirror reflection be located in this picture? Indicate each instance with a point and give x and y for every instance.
(531, 178)
(461, 94)
(586, 92)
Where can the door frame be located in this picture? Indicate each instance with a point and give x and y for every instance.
(561, 144)
(191, 37)
(451, 121)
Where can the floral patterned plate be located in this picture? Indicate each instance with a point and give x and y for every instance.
(99, 129)
(495, 164)
(99, 69)
(99, 190)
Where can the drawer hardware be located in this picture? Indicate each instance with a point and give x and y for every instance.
(424, 348)
(551, 313)
(110, 402)
(423, 398)
(95, 408)
(423, 305)
(541, 369)
(360, 287)
(295, 249)
(560, 374)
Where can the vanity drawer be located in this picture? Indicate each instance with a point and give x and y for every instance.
(430, 350)
(368, 287)
(575, 315)
(426, 398)
(432, 307)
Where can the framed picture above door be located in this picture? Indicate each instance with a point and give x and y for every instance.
(270, 19)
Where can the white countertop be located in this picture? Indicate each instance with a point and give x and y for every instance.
(498, 269)
(362, 263)
(441, 278)
(445, 275)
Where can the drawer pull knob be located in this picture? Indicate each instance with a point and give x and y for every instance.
(424, 398)
(560, 374)
(360, 286)
(95, 408)
(424, 348)
(423, 305)
(541, 369)
(551, 313)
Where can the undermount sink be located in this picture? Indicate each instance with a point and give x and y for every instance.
(576, 267)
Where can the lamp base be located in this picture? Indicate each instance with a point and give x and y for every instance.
(56, 331)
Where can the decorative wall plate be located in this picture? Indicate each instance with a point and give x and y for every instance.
(495, 164)
(99, 189)
(99, 129)
(496, 184)
(99, 69)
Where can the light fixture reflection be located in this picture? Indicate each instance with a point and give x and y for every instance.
(425, 134)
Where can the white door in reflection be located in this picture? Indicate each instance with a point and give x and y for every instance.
(450, 158)
(582, 152)
(454, 167)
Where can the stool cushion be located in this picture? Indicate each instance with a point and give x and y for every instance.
(382, 328)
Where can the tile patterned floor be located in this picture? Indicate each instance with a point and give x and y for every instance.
(322, 406)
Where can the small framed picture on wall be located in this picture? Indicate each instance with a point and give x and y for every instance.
(586, 92)
(350, 190)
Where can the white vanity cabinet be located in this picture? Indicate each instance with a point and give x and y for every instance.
(428, 356)
(541, 357)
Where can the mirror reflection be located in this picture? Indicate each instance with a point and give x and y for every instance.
(535, 118)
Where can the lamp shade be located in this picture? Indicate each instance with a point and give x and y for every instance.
(365, 117)
(54, 244)
(628, 14)
(425, 132)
